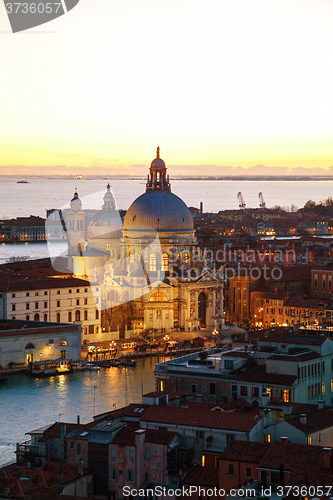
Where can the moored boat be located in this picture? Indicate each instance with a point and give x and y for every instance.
(3, 379)
(49, 367)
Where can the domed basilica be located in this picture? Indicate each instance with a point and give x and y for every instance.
(153, 277)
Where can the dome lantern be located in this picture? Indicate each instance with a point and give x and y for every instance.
(157, 178)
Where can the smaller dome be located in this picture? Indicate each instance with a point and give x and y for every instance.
(76, 203)
(158, 162)
(108, 193)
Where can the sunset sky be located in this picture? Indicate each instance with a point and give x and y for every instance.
(213, 82)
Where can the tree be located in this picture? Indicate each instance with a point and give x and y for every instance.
(309, 206)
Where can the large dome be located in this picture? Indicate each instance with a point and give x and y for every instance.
(159, 210)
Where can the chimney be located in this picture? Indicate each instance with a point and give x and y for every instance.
(140, 436)
(303, 419)
(328, 459)
(80, 468)
(284, 439)
(78, 420)
(201, 207)
(321, 404)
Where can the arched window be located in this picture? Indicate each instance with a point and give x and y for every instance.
(97, 314)
(58, 317)
(85, 315)
(187, 257)
(29, 346)
(165, 262)
(77, 315)
(36, 317)
(63, 342)
(179, 256)
(141, 313)
(158, 296)
(152, 262)
(69, 317)
(45, 317)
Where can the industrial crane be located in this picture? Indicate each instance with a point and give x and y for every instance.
(261, 200)
(241, 201)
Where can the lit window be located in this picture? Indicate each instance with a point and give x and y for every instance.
(267, 438)
(165, 262)
(285, 396)
(152, 262)
(63, 342)
(309, 440)
(319, 437)
(323, 387)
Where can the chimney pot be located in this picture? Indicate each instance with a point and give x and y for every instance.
(303, 418)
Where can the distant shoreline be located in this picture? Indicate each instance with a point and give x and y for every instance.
(289, 178)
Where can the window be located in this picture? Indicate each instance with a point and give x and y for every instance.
(147, 477)
(97, 314)
(45, 305)
(113, 474)
(286, 396)
(69, 317)
(231, 471)
(319, 437)
(72, 445)
(45, 317)
(85, 315)
(268, 390)
(27, 294)
(78, 290)
(152, 262)
(130, 475)
(13, 295)
(248, 472)
(147, 453)
(255, 392)
(58, 292)
(69, 291)
(77, 302)
(212, 389)
(27, 306)
(78, 449)
(85, 302)
(165, 262)
(86, 290)
(194, 388)
(27, 318)
(309, 440)
(13, 307)
(36, 317)
(141, 313)
(243, 390)
(229, 364)
(58, 317)
(275, 477)
(131, 453)
(36, 305)
(58, 303)
(267, 438)
(36, 293)
(77, 315)
(113, 452)
(323, 387)
(45, 293)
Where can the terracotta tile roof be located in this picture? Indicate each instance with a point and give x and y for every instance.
(296, 408)
(200, 418)
(286, 335)
(23, 283)
(295, 457)
(315, 420)
(259, 374)
(202, 476)
(126, 436)
(132, 410)
(174, 395)
(305, 356)
(55, 430)
(245, 451)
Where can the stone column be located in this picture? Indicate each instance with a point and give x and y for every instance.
(214, 308)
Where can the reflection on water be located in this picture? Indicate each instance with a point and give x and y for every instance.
(29, 403)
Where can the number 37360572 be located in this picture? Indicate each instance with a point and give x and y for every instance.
(32, 8)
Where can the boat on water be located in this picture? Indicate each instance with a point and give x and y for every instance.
(3, 379)
(22, 182)
(49, 367)
(114, 362)
(128, 362)
(91, 366)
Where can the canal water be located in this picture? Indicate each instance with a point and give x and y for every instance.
(29, 403)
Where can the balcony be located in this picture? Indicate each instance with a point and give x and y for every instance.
(26, 447)
(213, 447)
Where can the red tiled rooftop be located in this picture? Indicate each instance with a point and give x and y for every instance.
(259, 374)
(305, 356)
(200, 418)
(202, 476)
(316, 420)
(245, 451)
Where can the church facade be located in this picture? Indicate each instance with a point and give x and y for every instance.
(153, 276)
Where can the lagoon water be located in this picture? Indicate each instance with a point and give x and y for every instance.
(29, 403)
